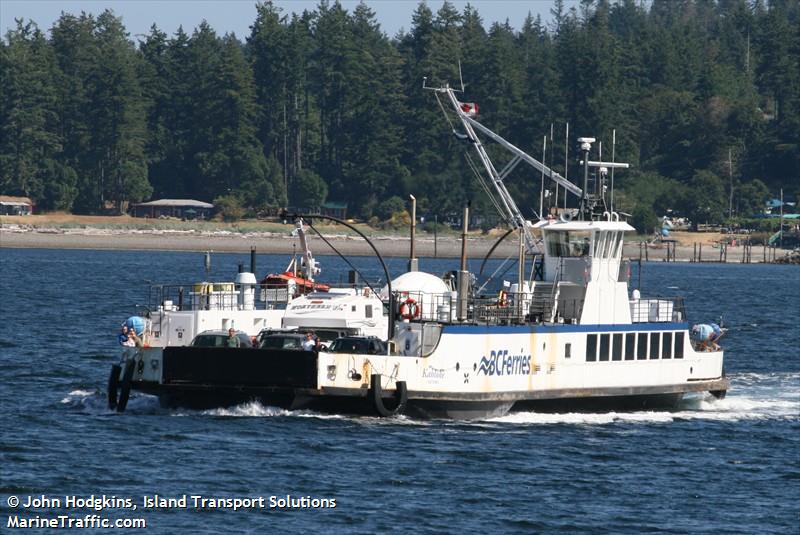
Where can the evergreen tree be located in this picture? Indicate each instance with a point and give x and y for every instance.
(117, 118)
(75, 49)
(29, 144)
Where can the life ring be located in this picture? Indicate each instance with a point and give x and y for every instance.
(375, 394)
(125, 386)
(113, 385)
(409, 309)
(502, 298)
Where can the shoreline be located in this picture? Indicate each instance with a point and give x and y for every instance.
(446, 246)
(232, 242)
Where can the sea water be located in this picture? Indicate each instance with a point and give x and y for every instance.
(711, 466)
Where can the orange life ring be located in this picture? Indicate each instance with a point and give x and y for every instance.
(502, 299)
(409, 309)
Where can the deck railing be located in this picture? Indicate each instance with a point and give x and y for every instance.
(223, 296)
(658, 310)
(508, 308)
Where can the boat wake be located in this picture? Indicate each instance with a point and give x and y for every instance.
(773, 396)
(96, 402)
(753, 396)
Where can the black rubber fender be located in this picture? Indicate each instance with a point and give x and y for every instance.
(113, 386)
(125, 386)
(376, 395)
(720, 394)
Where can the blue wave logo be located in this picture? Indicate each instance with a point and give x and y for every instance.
(501, 363)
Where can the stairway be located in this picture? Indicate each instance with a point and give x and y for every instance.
(543, 301)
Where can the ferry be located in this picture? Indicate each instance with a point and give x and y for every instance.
(569, 333)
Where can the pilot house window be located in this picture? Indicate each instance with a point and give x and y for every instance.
(569, 243)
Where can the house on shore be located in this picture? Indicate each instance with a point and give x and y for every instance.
(180, 208)
(334, 209)
(15, 205)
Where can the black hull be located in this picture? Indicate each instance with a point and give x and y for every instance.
(358, 402)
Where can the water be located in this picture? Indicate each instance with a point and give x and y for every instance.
(729, 466)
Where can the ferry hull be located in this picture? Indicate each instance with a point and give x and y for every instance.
(460, 379)
(358, 402)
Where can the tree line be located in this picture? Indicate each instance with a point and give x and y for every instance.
(704, 97)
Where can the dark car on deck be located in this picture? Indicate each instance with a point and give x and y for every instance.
(359, 345)
(220, 339)
(291, 341)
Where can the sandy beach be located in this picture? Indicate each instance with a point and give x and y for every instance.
(121, 233)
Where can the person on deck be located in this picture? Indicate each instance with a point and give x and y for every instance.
(233, 340)
(309, 343)
(122, 337)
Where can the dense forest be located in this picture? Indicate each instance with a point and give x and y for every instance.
(704, 97)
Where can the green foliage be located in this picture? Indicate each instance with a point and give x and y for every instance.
(704, 97)
(229, 207)
(308, 190)
(644, 220)
(389, 207)
(751, 198)
(706, 203)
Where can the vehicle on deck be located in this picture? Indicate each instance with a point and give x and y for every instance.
(218, 338)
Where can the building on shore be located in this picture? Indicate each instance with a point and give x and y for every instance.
(180, 208)
(15, 205)
(334, 209)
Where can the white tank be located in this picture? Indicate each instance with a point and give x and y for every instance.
(247, 294)
(428, 292)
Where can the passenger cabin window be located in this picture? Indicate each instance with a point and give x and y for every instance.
(591, 348)
(678, 345)
(666, 346)
(641, 347)
(605, 340)
(569, 243)
(616, 348)
(567, 351)
(654, 338)
(368, 311)
(630, 343)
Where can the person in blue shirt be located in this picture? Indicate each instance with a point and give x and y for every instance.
(122, 337)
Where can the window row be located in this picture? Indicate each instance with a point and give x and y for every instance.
(634, 346)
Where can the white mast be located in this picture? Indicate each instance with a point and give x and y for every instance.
(508, 207)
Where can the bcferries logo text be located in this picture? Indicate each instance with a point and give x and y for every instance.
(501, 363)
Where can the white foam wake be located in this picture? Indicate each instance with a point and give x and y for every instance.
(707, 407)
(254, 409)
(77, 396)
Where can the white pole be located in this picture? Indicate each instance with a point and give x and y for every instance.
(552, 159)
(613, 150)
(566, 161)
(780, 236)
(541, 189)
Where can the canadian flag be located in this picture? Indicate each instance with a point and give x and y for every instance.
(469, 108)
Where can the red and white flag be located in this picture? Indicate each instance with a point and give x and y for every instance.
(469, 108)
